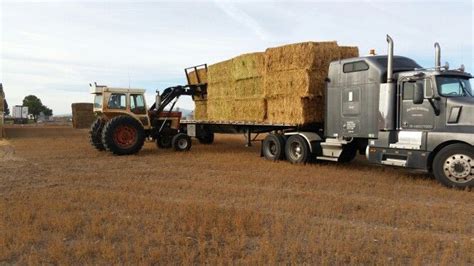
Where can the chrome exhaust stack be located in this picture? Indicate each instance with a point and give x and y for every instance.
(390, 60)
(437, 56)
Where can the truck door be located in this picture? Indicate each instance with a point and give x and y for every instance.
(415, 116)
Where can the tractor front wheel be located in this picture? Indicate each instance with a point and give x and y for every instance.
(95, 134)
(123, 135)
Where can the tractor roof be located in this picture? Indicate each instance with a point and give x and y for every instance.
(102, 88)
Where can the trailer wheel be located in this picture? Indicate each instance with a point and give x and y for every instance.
(181, 142)
(164, 142)
(95, 134)
(297, 149)
(207, 138)
(273, 147)
(123, 135)
(453, 166)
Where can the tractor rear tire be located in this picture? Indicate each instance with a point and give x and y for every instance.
(95, 134)
(181, 142)
(123, 135)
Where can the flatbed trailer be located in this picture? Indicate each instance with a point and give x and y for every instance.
(202, 129)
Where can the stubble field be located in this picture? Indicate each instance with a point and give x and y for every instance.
(62, 202)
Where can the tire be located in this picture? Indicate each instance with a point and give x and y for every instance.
(273, 147)
(453, 166)
(164, 142)
(181, 142)
(349, 152)
(297, 149)
(123, 135)
(208, 138)
(95, 134)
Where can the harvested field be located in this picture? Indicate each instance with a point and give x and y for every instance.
(64, 203)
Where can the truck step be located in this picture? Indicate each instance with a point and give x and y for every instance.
(395, 162)
(327, 158)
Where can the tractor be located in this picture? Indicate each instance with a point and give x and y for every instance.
(124, 123)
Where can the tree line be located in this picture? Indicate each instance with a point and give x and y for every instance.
(35, 107)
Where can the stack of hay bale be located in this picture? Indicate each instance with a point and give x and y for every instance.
(284, 85)
(200, 101)
(82, 115)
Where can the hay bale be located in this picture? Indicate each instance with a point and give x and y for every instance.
(307, 55)
(82, 115)
(221, 90)
(348, 51)
(249, 88)
(292, 83)
(200, 110)
(295, 110)
(193, 76)
(220, 109)
(249, 110)
(220, 72)
(248, 66)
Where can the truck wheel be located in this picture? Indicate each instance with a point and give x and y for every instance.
(297, 149)
(273, 147)
(181, 142)
(348, 153)
(164, 142)
(207, 138)
(453, 166)
(95, 134)
(123, 135)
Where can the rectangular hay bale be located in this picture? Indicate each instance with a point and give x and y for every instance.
(221, 90)
(295, 110)
(249, 110)
(248, 66)
(220, 109)
(307, 55)
(299, 83)
(193, 76)
(249, 88)
(220, 72)
(348, 51)
(200, 110)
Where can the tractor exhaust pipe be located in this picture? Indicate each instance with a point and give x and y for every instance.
(390, 60)
(437, 56)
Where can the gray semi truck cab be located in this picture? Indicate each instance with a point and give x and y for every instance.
(399, 114)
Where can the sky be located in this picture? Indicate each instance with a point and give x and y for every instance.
(54, 49)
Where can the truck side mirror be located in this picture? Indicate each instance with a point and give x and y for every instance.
(429, 91)
(418, 93)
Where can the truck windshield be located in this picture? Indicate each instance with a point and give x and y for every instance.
(454, 86)
(98, 101)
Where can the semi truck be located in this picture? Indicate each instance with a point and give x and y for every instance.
(385, 107)
(20, 114)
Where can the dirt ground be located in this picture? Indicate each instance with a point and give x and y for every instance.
(64, 203)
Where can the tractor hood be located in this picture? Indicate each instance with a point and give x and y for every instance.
(460, 111)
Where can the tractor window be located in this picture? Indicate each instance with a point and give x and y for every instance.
(98, 101)
(137, 104)
(117, 101)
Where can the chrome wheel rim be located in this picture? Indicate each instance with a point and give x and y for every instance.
(295, 150)
(459, 168)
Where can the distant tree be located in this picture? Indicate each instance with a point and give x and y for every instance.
(35, 106)
(46, 111)
(5, 104)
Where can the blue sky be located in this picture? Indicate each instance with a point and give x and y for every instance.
(54, 49)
